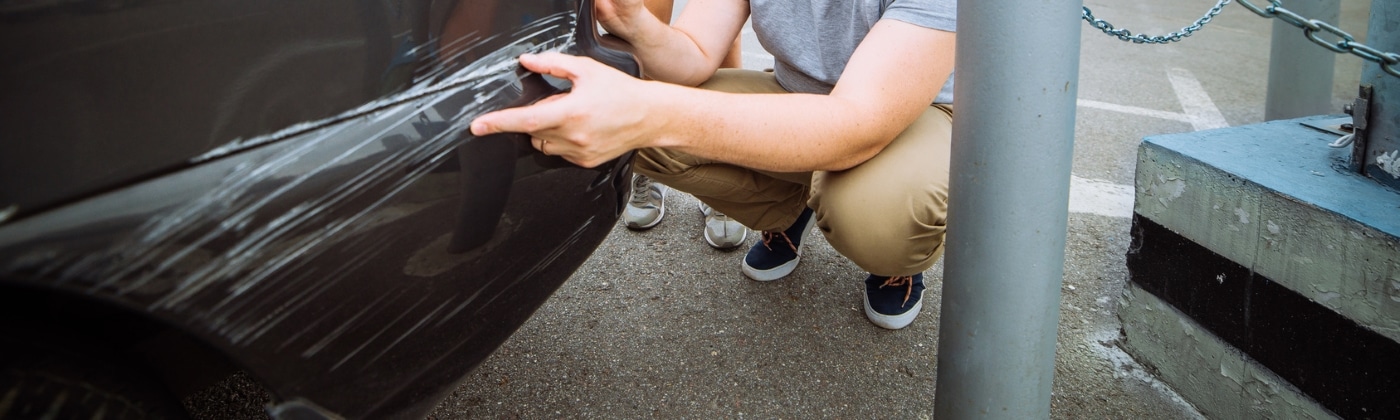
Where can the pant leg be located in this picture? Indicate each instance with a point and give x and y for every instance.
(888, 214)
(761, 200)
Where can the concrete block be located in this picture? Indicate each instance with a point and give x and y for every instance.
(1218, 379)
(1275, 199)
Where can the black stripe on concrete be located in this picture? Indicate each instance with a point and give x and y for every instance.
(1351, 370)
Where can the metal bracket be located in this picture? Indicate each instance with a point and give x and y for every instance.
(1339, 126)
(1360, 117)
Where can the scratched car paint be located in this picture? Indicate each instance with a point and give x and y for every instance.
(286, 188)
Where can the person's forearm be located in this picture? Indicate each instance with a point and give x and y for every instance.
(774, 132)
(670, 55)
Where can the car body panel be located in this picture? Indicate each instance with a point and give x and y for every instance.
(347, 242)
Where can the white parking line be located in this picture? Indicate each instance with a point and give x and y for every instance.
(1115, 200)
(1201, 112)
(1195, 101)
(1103, 198)
(1174, 116)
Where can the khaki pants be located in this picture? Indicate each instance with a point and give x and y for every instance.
(887, 214)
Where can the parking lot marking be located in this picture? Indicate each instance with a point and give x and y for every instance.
(1195, 101)
(1132, 110)
(1103, 198)
(1201, 112)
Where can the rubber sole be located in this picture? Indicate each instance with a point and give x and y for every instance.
(891, 322)
(772, 273)
(784, 269)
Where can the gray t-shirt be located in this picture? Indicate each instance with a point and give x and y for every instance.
(812, 40)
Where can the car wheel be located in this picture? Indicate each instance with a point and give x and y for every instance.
(38, 381)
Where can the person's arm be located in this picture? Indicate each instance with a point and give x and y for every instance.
(893, 77)
(686, 53)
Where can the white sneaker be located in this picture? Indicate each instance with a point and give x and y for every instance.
(647, 206)
(722, 232)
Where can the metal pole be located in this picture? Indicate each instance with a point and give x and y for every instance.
(1013, 136)
(1300, 72)
(1379, 150)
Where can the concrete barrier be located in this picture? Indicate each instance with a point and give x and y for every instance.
(1265, 277)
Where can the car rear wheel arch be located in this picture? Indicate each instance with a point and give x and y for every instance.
(65, 339)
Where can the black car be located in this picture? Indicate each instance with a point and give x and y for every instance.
(190, 188)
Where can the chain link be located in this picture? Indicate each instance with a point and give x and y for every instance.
(1311, 27)
(1127, 35)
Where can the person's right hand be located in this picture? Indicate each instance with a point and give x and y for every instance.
(621, 17)
(606, 114)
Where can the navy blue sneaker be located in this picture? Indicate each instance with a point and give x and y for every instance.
(893, 302)
(778, 253)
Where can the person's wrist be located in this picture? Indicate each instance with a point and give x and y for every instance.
(664, 101)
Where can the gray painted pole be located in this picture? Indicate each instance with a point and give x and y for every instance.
(1380, 157)
(1013, 136)
(1300, 72)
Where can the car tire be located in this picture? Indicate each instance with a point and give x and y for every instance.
(45, 381)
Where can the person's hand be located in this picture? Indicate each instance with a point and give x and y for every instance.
(621, 17)
(603, 117)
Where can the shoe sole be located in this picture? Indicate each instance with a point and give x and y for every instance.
(781, 270)
(891, 322)
(653, 224)
(661, 214)
(772, 273)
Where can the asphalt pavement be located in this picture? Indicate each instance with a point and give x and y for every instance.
(657, 324)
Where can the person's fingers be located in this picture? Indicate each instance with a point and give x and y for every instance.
(541, 116)
(557, 64)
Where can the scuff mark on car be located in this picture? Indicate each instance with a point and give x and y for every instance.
(177, 237)
(364, 261)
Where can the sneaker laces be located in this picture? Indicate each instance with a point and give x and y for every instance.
(769, 236)
(641, 190)
(897, 281)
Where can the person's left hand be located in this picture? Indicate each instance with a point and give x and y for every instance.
(603, 117)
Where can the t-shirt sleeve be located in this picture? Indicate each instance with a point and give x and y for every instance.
(933, 14)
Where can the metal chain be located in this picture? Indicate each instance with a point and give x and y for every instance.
(1311, 28)
(1127, 35)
